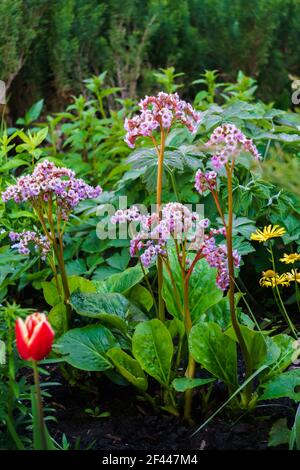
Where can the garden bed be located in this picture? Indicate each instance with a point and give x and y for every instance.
(133, 426)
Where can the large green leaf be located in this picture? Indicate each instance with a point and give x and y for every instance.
(141, 296)
(153, 348)
(111, 308)
(255, 342)
(203, 292)
(284, 385)
(58, 318)
(129, 368)
(220, 312)
(50, 292)
(215, 351)
(85, 348)
(52, 295)
(282, 351)
(119, 260)
(121, 282)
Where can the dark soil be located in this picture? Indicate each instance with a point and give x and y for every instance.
(133, 426)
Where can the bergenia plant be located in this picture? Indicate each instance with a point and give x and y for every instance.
(227, 142)
(156, 117)
(192, 239)
(53, 193)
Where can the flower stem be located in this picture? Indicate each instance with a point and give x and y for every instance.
(176, 294)
(161, 304)
(234, 320)
(58, 250)
(149, 286)
(190, 371)
(174, 185)
(40, 412)
(218, 206)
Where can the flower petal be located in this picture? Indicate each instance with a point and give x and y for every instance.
(22, 339)
(41, 341)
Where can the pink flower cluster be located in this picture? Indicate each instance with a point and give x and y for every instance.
(126, 215)
(176, 222)
(180, 224)
(204, 181)
(216, 256)
(47, 181)
(229, 141)
(27, 238)
(160, 111)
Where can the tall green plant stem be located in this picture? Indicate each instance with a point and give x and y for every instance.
(160, 162)
(40, 411)
(58, 251)
(234, 320)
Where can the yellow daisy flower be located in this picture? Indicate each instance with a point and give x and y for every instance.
(290, 259)
(267, 233)
(271, 279)
(293, 276)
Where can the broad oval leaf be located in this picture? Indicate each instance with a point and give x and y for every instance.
(85, 348)
(111, 308)
(282, 351)
(215, 351)
(153, 348)
(142, 297)
(256, 344)
(129, 368)
(284, 385)
(121, 282)
(57, 318)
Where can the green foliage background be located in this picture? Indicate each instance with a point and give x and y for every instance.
(48, 48)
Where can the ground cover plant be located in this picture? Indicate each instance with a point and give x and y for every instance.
(150, 253)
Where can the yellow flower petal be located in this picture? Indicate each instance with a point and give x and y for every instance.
(267, 233)
(290, 259)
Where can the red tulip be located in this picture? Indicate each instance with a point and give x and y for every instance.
(34, 337)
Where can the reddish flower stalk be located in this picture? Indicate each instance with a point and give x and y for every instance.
(159, 113)
(227, 142)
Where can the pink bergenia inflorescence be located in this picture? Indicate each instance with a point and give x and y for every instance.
(24, 240)
(216, 256)
(160, 111)
(229, 141)
(204, 181)
(47, 181)
(179, 223)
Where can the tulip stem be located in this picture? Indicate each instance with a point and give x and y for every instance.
(39, 407)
